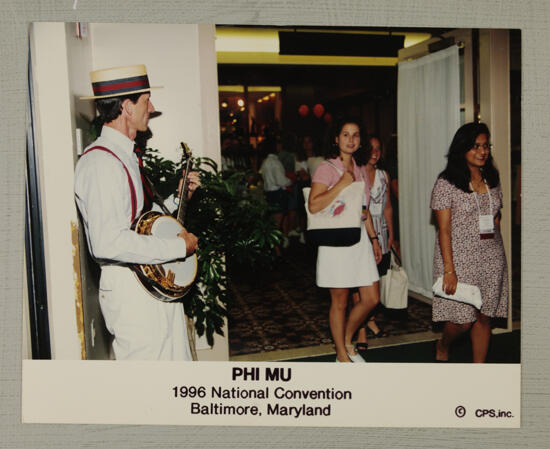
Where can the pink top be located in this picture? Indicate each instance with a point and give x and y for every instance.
(326, 174)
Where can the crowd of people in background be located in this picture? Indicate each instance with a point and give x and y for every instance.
(298, 156)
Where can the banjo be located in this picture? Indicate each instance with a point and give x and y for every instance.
(169, 281)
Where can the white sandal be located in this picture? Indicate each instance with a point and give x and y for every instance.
(355, 358)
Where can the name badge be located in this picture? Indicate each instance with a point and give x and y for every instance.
(486, 226)
(375, 208)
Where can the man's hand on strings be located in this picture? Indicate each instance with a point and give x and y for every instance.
(193, 183)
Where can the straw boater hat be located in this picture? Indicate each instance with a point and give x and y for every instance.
(117, 81)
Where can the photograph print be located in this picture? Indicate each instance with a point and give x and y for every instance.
(273, 194)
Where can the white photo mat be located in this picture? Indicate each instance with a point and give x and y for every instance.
(272, 394)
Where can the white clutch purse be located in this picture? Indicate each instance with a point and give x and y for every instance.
(466, 293)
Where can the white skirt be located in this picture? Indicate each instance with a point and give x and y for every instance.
(347, 266)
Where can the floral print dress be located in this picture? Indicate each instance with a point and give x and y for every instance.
(477, 261)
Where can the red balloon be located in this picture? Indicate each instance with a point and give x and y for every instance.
(318, 110)
(303, 110)
(327, 118)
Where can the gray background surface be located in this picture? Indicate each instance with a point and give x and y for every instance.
(532, 16)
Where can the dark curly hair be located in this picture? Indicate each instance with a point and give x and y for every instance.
(332, 150)
(457, 171)
(110, 108)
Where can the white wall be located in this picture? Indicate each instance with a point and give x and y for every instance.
(176, 57)
(209, 101)
(54, 142)
(79, 56)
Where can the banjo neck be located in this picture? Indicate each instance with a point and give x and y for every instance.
(185, 188)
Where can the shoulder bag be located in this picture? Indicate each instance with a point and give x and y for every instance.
(394, 285)
(338, 224)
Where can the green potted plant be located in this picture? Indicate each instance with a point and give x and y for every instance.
(236, 233)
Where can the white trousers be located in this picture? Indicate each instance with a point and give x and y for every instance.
(144, 327)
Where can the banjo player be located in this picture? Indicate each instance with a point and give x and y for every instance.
(110, 195)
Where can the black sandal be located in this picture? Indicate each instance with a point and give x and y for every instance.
(381, 333)
(361, 346)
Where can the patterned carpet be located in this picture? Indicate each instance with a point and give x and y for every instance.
(284, 309)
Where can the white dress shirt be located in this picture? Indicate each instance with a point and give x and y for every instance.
(301, 165)
(103, 197)
(273, 174)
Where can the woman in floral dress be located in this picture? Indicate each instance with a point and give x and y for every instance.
(467, 199)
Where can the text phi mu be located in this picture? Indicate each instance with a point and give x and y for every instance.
(269, 374)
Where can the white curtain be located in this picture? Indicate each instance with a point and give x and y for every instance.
(428, 115)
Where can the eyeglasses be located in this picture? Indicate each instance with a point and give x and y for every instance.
(485, 146)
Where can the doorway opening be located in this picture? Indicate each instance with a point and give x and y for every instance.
(293, 89)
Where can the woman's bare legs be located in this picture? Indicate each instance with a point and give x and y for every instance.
(451, 332)
(369, 297)
(337, 321)
(362, 332)
(480, 335)
(362, 335)
(373, 325)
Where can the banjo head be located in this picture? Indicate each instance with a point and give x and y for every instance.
(166, 227)
(172, 280)
(184, 270)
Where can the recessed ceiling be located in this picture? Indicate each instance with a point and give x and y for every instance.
(314, 45)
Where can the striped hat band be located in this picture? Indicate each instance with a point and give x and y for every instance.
(121, 86)
(117, 81)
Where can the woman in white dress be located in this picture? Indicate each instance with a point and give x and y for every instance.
(342, 268)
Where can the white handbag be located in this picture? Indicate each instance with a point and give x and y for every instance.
(466, 293)
(338, 224)
(394, 285)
